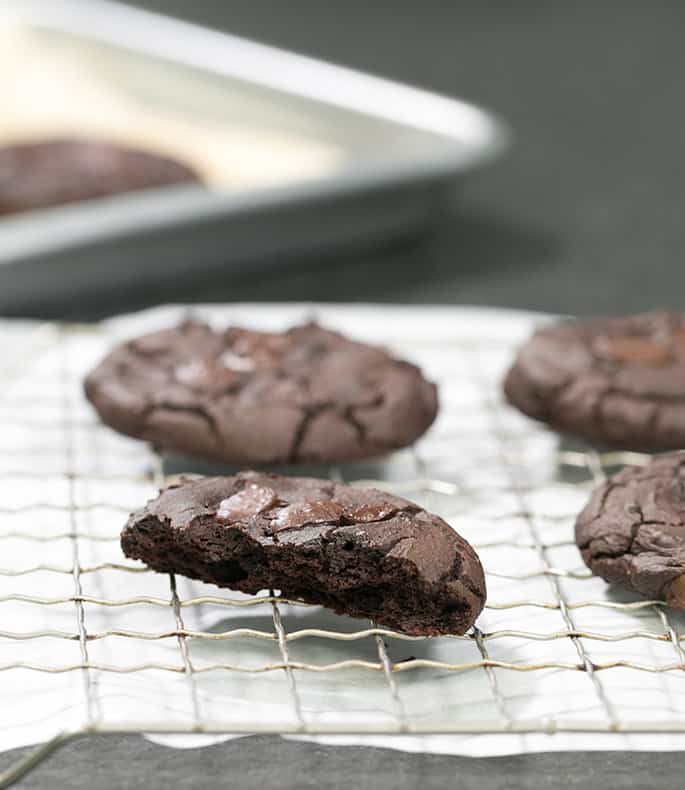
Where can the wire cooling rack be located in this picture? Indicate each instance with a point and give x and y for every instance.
(93, 643)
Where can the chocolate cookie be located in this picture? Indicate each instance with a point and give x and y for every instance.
(632, 532)
(358, 551)
(38, 175)
(249, 397)
(617, 380)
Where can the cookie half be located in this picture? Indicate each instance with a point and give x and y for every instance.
(632, 531)
(246, 397)
(360, 552)
(619, 381)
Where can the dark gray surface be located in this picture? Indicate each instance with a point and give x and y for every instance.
(585, 215)
(270, 763)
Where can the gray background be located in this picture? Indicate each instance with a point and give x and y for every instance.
(584, 215)
(269, 763)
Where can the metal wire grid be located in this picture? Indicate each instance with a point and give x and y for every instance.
(504, 483)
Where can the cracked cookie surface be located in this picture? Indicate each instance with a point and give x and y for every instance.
(53, 172)
(248, 397)
(620, 381)
(632, 531)
(358, 551)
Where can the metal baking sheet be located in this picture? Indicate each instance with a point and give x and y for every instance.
(299, 155)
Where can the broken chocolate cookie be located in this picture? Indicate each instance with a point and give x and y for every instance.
(360, 552)
(632, 532)
(247, 397)
(619, 381)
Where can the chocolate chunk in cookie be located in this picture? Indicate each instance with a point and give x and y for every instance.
(50, 173)
(619, 381)
(246, 397)
(358, 551)
(632, 532)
